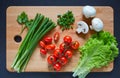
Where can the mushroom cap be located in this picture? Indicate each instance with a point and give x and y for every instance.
(97, 24)
(82, 27)
(89, 11)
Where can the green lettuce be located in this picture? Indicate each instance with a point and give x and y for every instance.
(99, 50)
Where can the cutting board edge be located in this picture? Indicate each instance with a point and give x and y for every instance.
(58, 6)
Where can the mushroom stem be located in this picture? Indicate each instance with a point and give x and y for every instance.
(82, 27)
(91, 27)
(78, 30)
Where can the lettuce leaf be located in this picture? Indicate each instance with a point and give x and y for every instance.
(98, 51)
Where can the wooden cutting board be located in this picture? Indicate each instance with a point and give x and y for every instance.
(37, 62)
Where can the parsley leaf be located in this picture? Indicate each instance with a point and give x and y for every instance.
(22, 18)
(24, 21)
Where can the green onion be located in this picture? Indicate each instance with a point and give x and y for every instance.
(40, 26)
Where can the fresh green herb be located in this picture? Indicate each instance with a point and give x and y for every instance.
(98, 51)
(66, 20)
(29, 23)
(22, 18)
(40, 26)
(24, 21)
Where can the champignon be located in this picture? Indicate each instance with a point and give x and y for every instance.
(97, 24)
(89, 11)
(82, 27)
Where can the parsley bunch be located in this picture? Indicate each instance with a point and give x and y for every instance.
(66, 20)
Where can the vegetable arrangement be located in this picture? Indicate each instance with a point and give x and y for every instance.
(60, 55)
(46, 44)
(98, 51)
(40, 26)
(63, 53)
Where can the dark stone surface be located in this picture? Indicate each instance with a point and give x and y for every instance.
(6, 3)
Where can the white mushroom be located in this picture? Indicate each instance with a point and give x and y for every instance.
(82, 27)
(97, 24)
(89, 11)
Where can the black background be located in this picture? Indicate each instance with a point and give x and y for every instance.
(6, 3)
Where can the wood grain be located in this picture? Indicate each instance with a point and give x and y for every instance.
(37, 62)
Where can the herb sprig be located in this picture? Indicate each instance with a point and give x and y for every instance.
(24, 21)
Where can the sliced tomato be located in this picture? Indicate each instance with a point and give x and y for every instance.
(50, 47)
(43, 51)
(42, 44)
(56, 36)
(75, 45)
(48, 40)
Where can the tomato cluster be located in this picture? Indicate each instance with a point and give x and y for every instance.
(46, 45)
(60, 55)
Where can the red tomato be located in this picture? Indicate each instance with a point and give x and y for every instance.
(67, 39)
(56, 36)
(42, 51)
(57, 66)
(50, 47)
(57, 53)
(51, 59)
(63, 60)
(48, 39)
(75, 45)
(62, 46)
(68, 54)
(42, 44)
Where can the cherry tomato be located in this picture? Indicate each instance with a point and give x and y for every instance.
(57, 66)
(67, 39)
(57, 53)
(42, 51)
(42, 44)
(62, 46)
(50, 47)
(63, 60)
(56, 36)
(51, 59)
(68, 54)
(48, 39)
(75, 45)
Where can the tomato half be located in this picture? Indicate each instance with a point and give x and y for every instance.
(50, 47)
(43, 51)
(42, 44)
(75, 45)
(48, 40)
(56, 36)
